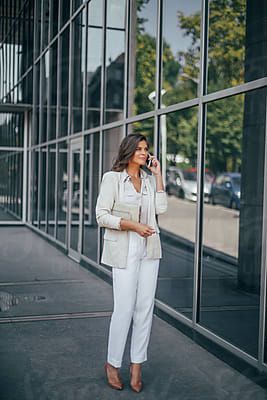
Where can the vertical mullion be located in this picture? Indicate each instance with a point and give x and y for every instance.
(80, 235)
(102, 114)
(157, 131)
(263, 287)
(70, 83)
(126, 61)
(24, 173)
(56, 189)
(84, 102)
(200, 164)
(46, 188)
(30, 170)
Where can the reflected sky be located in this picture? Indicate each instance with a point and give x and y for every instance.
(175, 38)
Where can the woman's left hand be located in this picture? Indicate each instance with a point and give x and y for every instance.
(155, 166)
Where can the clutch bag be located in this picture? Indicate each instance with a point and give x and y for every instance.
(125, 211)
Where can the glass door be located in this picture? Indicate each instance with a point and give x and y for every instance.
(74, 210)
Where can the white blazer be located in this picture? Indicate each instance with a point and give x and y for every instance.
(116, 242)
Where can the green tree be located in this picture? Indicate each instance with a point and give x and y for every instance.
(226, 53)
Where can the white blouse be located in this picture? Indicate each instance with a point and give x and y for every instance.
(131, 196)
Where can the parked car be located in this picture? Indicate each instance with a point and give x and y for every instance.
(183, 183)
(226, 190)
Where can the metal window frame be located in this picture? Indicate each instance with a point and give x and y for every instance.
(201, 101)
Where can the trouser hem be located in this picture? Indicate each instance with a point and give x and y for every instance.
(114, 363)
(138, 360)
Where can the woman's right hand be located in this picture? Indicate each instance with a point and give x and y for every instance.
(144, 230)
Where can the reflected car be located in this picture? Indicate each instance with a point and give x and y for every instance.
(226, 190)
(183, 183)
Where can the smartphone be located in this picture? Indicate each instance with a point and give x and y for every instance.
(149, 160)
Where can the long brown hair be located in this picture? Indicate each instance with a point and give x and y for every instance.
(126, 151)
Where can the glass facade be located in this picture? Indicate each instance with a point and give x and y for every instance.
(77, 76)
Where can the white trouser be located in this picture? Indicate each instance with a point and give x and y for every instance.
(134, 290)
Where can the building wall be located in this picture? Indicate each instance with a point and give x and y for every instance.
(191, 76)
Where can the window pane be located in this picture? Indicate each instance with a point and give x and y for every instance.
(178, 224)
(181, 50)
(34, 187)
(94, 66)
(51, 189)
(78, 70)
(62, 192)
(45, 74)
(237, 43)
(146, 128)
(11, 129)
(64, 82)
(142, 52)
(54, 18)
(53, 92)
(43, 189)
(90, 196)
(233, 222)
(65, 11)
(11, 183)
(96, 12)
(115, 59)
(111, 142)
(45, 22)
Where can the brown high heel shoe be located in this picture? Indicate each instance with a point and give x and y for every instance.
(138, 386)
(114, 383)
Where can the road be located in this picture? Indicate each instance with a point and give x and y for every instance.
(220, 227)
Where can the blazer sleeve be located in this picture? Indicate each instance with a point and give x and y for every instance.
(105, 201)
(160, 199)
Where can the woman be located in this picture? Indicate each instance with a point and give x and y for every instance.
(128, 202)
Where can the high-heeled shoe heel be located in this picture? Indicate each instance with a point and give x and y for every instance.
(138, 386)
(115, 385)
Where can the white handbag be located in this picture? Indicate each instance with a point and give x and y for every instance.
(130, 212)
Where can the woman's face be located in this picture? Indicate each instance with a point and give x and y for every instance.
(141, 153)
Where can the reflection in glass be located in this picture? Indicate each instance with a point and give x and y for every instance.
(226, 51)
(111, 142)
(177, 225)
(53, 93)
(146, 128)
(45, 76)
(181, 50)
(34, 186)
(115, 59)
(78, 70)
(236, 43)
(64, 83)
(96, 12)
(142, 67)
(11, 183)
(43, 189)
(94, 66)
(65, 11)
(90, 195)
(11, 129)
(116, 13)
(233, 221)
(76, 4)
(54, 18)
(36, 110)
(51, 189)
(45, 22)
(62, 192)
(75, 198)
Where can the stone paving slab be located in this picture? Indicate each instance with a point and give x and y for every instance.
(54, 360)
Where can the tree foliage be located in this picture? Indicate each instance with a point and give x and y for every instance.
(180, 76)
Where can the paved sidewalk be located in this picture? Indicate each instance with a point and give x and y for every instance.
(59, 353)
